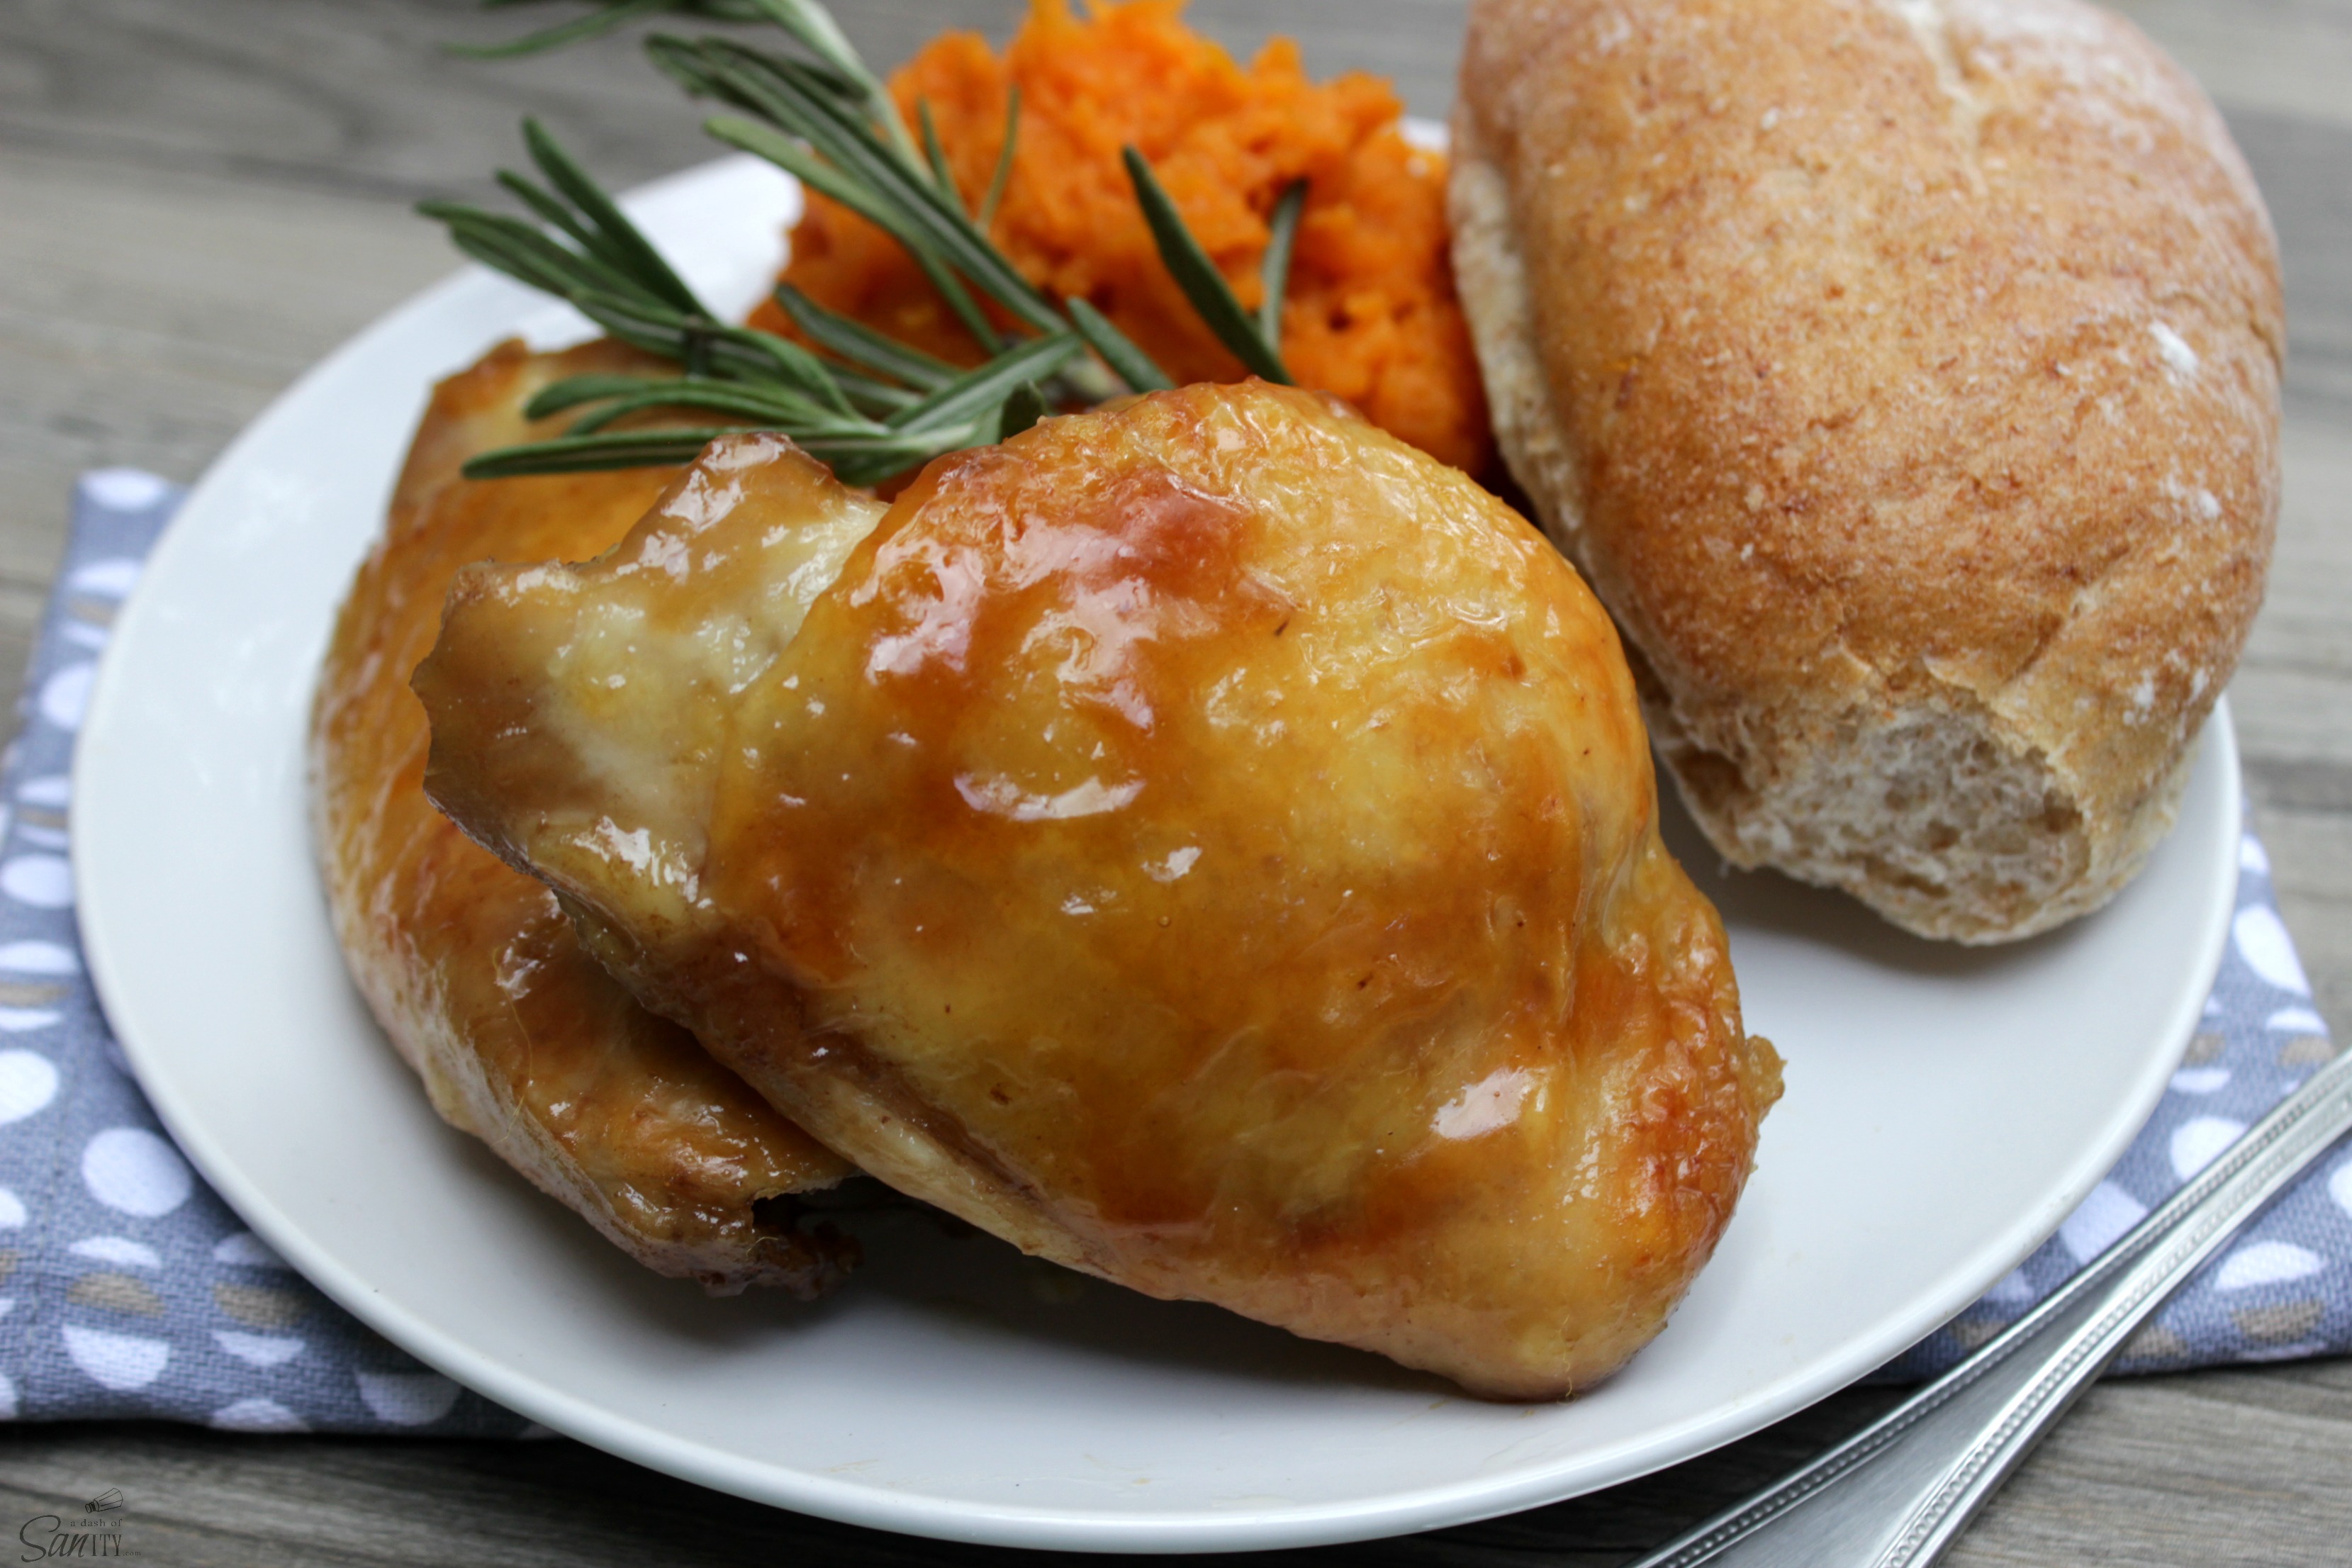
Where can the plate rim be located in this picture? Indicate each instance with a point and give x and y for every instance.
(1057, 1528)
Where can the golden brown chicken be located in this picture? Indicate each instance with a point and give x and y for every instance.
(477, 978)
(1205, 842)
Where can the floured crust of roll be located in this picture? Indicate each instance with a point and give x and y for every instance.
(471, 968)
(1905, 378)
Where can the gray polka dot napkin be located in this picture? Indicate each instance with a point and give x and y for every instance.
(127, 1289)
(2284, 1288)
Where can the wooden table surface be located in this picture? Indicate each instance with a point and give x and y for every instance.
(199, 197)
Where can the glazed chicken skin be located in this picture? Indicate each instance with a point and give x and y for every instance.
(1203, 841)
(481, 984)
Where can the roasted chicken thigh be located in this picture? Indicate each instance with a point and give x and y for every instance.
(521, 1039)
(1204, 841)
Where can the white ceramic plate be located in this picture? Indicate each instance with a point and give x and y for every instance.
(1946, 1109)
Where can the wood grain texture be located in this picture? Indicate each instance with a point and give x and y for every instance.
(202, 196)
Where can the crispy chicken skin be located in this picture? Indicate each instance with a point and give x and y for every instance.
(1203, 841)
(521, 1039)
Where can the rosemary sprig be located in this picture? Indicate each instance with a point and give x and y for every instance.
(1197, 276)
(1274, 270)
(812, 25)
(815, 28)
(607, 15)
(1023, 409)
(820, 138)
(1004, 174)
(807, 130)
(942, 175)
(606, 234)
(977, 394)
(865, 402)
(587, 454)
(1134, 366)
(861, 344)
(880, 208)
(887, 407)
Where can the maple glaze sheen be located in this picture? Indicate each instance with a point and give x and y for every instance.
(520, 1037)
(1204, 841)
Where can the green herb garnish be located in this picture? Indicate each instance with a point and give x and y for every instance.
(1197, 276)
(867, 404)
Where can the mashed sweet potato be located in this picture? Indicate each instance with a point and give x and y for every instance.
(1371, 312)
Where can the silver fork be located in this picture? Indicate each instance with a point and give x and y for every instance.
(1895, 1494)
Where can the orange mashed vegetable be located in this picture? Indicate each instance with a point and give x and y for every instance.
(1369, 313)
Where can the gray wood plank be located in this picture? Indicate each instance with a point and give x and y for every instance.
(196, 1499)
(2217, 1467)
(356, 96)
(2260, 1485)
(2290, 57)
(146, 316)
(2300, 166)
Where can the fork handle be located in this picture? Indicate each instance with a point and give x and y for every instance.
(1895, 1494)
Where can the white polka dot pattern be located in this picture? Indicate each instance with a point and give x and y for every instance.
(248, 1249)
(28, 1083)
(118, 1250)
(408, 1398)
(132, 1291)
(261, 1349)
(110, 578)
(2013, 1287)
(2103, 1217)
(65, 694)
(2266, 1263)
(134, 1171)
(39, 881)
(38, 958)
(2264, 943)
(257, 1415)
(124, 489)
(2196, 1143)
(119, 1361)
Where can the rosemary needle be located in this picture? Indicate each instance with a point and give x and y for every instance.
(1197, 276)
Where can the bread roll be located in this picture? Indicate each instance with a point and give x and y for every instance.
(1905, 378)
